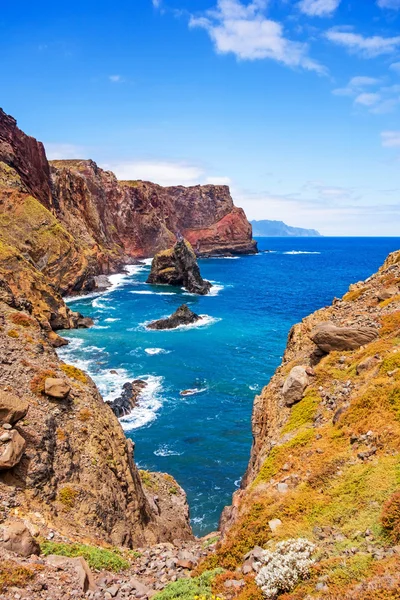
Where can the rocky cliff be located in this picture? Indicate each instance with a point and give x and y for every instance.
(65, 222)
(325, 461)
(65, 463)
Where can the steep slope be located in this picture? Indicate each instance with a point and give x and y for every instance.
(64, 223)
(65, 463)
(325, 462)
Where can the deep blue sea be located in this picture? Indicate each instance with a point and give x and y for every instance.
(204, 439)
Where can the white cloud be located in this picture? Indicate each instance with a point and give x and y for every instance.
(156, 3)
(115, 78)
(361, 81)
(368, 47)
(393, 4)
(390, 139)
(395, 67)
(56, 151)
(218, 180)
(164, 173)
(244, 31)
(319, 8)
(367, 99)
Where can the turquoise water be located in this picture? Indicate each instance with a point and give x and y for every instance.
(204, 439)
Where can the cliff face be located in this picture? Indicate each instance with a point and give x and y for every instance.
(63, 223)
(77, 474)
(326, 454)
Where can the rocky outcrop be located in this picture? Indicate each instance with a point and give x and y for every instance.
(126, 402)
(294, 386)
(12, 408)
(329, 337)
(70, 465)
(325, 432)
(64, 224)
(182, 316)
(178, 266)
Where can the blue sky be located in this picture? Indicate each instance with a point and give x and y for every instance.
(295, 104)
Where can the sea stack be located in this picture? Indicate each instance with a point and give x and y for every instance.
(178, 266)
(182, 316)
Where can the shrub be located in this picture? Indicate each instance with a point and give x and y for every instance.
(390, 518)
(37, 383)
(189, 589)
(283, 568)
(22, 320)
(74, 373)
(13, 575)
(84, 414)
(97, 558)
(67, 496)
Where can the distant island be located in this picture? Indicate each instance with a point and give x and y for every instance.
(280, 229)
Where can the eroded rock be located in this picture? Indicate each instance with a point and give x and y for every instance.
(11, 450)
(56, 388)
(128, 400)
(182, 316)
(294, 386)
(12, 408)
(178, 266)
(79, 565)
(328, 337)
(16, 537)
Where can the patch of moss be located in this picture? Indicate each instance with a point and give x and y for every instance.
(354, 294)
(97, 558)
(67, 495)
(389, 301)
(302, 413)
(12, 333)
(74, 373)
(390, 324)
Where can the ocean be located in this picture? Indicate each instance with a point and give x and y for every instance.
(204, 439)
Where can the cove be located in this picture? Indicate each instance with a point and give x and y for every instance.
(204, 439)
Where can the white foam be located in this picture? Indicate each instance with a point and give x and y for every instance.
(152, 351)
(149, 404)
(215, 290)
(192, 392)
(300, 252)
(205, 321)
(165, 450)
(148, 292)
(147, 261)
(109, 320)
(226, 257)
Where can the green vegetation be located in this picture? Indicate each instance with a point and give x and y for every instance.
(97, 558)
(74, 373)
(13, 575)
(67, 496)
(302, 413)
(190, 589)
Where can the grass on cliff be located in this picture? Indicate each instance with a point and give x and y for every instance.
(14, 575)
(97, 558)
(190, 589)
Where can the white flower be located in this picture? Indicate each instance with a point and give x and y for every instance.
(283, 568)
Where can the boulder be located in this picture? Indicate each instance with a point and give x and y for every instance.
(182, 316)
(387, 293)
(274, 524)
(178, 266)
(16, 537)
(294, 386)
(128, 399)
(328, 337)
(79, 565)
(56, 340)
(56, 388)
(11, 450)
(12, 408)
